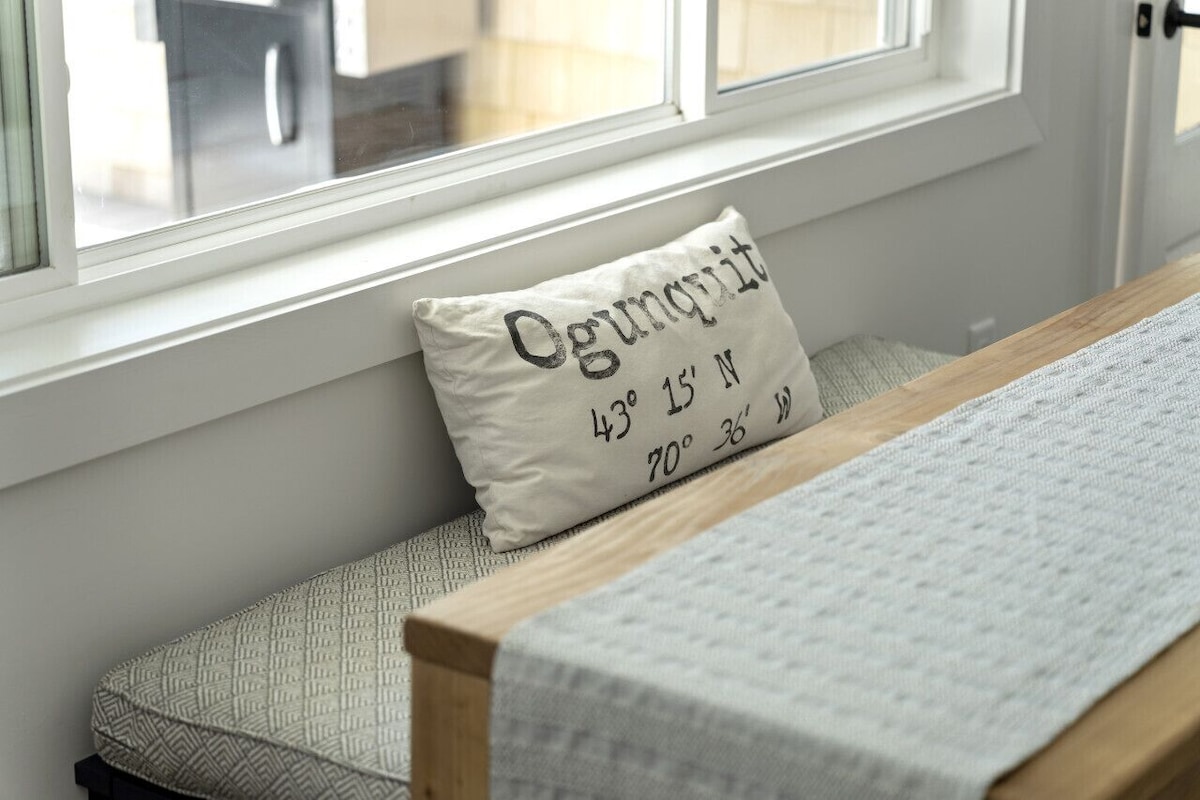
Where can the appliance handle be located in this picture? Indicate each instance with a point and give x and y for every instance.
(279, 84)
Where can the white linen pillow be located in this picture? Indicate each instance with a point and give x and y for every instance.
(581, 393)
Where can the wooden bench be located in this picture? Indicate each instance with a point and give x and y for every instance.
(254, 705)
(1141, 741)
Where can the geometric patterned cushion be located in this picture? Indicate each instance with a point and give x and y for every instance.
(305, 694)
(861, 367)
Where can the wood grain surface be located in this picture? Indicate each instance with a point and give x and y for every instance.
(1142, 740)
(450, 733)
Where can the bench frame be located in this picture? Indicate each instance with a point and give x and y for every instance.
(104, 782)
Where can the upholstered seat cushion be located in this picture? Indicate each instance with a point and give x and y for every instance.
(306, 693)
(861, 367)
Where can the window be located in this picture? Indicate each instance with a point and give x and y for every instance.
(185, 109)
(315, 282)
(197, 106)
(194, 107)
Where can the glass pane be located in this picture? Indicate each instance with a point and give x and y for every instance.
(19, 232)
(1187, 106)
(185, 107)
(758, 39)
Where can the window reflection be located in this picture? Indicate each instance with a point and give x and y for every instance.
(186, 107)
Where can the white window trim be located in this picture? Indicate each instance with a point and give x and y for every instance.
(118, 370)
(50, 120)
(850, 77)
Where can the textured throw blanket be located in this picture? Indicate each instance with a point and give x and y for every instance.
(911, 624)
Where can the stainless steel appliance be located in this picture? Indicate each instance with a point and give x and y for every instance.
(258, 110)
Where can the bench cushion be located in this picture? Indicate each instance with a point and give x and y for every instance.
(861, 367)
(306, 693)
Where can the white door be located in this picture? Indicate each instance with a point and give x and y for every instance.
(1165, 115)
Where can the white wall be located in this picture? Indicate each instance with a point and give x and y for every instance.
(101, 561)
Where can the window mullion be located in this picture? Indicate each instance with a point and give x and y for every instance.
(922, 23)
(894, 25)
(695, 56)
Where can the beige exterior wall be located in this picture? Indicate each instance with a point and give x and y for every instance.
(1187, 109)
(762, 37)
(542, 63)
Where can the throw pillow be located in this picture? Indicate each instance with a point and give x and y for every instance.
(581, 393)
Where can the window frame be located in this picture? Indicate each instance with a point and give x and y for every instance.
(317, 214)
(50, 144)
(83, 369)
(812, 85)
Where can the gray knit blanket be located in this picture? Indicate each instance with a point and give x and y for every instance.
(912, 624)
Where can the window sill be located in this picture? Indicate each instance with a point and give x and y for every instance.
(131, 369)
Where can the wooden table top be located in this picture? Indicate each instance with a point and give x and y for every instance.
(1142, 740)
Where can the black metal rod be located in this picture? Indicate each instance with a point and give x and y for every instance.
(1175, 18)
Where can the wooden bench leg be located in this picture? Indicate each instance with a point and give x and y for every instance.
(449, 734)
